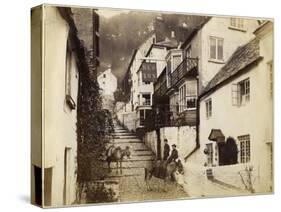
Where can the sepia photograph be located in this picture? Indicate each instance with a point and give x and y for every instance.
(135, 106)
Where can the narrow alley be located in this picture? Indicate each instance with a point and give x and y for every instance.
(132, 184)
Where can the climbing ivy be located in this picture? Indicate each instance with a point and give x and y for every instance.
(94, 124)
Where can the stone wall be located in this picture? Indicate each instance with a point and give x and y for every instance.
(185, 139)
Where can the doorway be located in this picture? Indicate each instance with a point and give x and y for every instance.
(67, 176)
(158, 153)
(48, 173)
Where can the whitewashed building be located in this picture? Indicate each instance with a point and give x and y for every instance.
(190, 68)
(107, 82)
(54, 110)
(236, 123)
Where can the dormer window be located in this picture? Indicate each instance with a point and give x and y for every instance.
(237, 23)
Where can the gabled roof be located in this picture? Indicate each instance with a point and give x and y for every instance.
(240, 59)
(169, 43)
(192, 32)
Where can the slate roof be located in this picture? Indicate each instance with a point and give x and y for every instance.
(240, 59)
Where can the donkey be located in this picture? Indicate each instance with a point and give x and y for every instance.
(164, 171)
(117, 154)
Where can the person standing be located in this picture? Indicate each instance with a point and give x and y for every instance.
(174, 154)
(166, 149)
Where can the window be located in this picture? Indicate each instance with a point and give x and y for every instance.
(68, 72)
(182, 100)
(191, 95)
(146, 99)
(241, 92)
(245, 148)
(244, 87)
(104, 75)
(146, 83)
(208, 108)
(176, 61)
(270, 69)
(216, 48)
(142, 117)
(188, 52)
(188, 96)
(237, 23)
(210, 157)
(68, 78)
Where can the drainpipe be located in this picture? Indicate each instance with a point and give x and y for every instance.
(197, 145)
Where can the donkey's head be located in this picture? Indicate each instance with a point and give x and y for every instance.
(127, 152)
(179, 166)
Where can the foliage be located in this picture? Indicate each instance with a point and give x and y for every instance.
(100, 193)
(93, 126)
(248, 179)
(119, 96)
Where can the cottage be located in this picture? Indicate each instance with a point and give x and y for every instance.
(108, 85)
(236, 120)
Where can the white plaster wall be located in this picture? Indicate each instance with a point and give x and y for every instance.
(150, 140)
(107, 84)
(59, 120)
(219, 27)
(254, 118)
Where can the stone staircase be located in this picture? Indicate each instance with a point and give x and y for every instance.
(133, 170)
(141, 156)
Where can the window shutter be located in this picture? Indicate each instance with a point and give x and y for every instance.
(235, 94)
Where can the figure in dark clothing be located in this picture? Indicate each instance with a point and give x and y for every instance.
(166, 149)
(174, 154)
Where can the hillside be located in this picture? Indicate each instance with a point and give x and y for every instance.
(121, 34)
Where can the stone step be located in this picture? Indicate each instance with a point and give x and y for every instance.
(126, 172)
(127, 140)
(134, 146)
(134, 158)
(143, 153)
(141, 157)
(132, 164)
(124, 136)
(122, 140)
(121, 131)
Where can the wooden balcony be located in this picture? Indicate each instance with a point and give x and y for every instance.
(188, 67)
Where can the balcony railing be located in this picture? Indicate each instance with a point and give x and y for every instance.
(184, 68)
(166, 115)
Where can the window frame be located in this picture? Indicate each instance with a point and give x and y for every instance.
(210, 155)
(188, 51)
(237, 23)
(150, 99)
(246, 92)
(270, 66)
(68, 78)
(237, 96)
(209, 108)
(245, 148)
(216, 59)
(172, 61)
